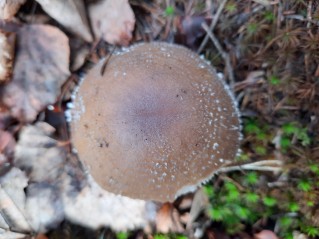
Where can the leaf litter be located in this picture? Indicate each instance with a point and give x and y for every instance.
(41, 68)
(46, 185)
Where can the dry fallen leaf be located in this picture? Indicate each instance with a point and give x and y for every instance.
(69, 13)
(7, 41)
(168, 219)
(113, 21)
(39, 154)
(12, 201)
(56, 191)
(9, 8)
(94, 207)
(41, 67)
(43, 160)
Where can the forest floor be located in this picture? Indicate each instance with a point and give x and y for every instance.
(268, 51)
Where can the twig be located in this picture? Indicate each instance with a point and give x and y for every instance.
(309, 15)
(264, 165)
(212, 25)
(224, 55)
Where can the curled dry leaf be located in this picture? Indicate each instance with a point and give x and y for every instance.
(7, 41)
(41, 67)
(9, 8)
(113, 21)
(69, 13)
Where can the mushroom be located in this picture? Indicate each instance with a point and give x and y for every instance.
(158, 122)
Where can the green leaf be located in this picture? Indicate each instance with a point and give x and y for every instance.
(274, 80)
(231, 7)
(169, 11)
(289, 128)
(251, 197)
(269, 201)
(304, 185)
(251, 178)
(285, 222)
(314, 168)
(251, 127)
(209, 190)
(285, 142)
(121, 235)
(216, 214)
(261, 150)
(230, 186)
(311, 231)
(160, 236)
(293, 207)
(242, 212)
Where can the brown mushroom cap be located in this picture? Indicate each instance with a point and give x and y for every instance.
(158, 123)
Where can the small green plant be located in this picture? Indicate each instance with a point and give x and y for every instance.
(293, 207)
(169, 11)
(269, 16)
(294, 129)
(311, 231)
(269, 201)
(169, 236)
(251, 178)
(304, 185)
(251, 197)
(231, 7)
(274, 80)
(121, 235)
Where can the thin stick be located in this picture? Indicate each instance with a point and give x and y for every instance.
(212, 25)
(309, 15)
(224, 55)
(264, 165)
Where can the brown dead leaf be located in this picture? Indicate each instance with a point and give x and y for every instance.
(168, 219)
(7, 41)
(113, 21)
(41, 67)
(9, 8)
(69, 13)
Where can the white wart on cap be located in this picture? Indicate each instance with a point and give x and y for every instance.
(158, 123)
